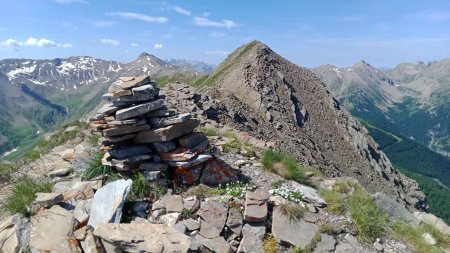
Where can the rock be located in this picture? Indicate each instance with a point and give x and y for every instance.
(188, 176)
(60, 173)
(78, 190)
(89, 244)
(218, 172)
(122, 93)
(133, 150)
(213, 217)
(309, 194)
(378, 246)
(108, 202)
(252, 240)
(140, 109)
(167, 133)
(143, 237)
(429, 239)
(192, 162)
(170, 219)
(164, 146)
(191, 203)
(192, 139)
(162, 112)
(14, 233)
(218, 244)
(396, 210)
(167, 121)
(47, 199)
(240, 163)
(348, 245)
(121, 130)
(149, 166)
(144, 90)
(327, 244)
(55, 223)
(235, 221)
(434, 221)
(131, 160)
(120, 138)
(191, 224)
(173, 203)
(131, 82)
(180, 227)
(311, 208)
(108, 109)
(298, 233)
(82, 210)
(152, 175)
(278, 200)
(256, 205)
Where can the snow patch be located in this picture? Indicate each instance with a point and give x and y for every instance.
(65, 68)
(10, 152)
(24, 70)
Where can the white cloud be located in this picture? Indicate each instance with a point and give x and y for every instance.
(431, 15)
(182, 11)
(158, 46)
(32, 42)
(70, 1)
(112, 42)
(216, 52)
(141, 17)
(97, 23)
(203, 21)
(134, 44)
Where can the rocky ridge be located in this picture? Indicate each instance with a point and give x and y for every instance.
(184, 221)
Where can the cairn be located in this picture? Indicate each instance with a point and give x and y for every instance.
(142, 134)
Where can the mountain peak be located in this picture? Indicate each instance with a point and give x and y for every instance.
(362, 64)
(145, 55)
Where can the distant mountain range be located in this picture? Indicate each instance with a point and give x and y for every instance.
(39, 94)
(203, 67)
(412, 100)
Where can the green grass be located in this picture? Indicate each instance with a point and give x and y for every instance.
(283, 165)
(209, 131)
(293, 211)
(96, 168)
(23, 193)
(414, 236)
(140, 188)
(335, 201)
(270, 244)
(203, 191)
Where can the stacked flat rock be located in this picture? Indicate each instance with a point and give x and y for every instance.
(141, 133)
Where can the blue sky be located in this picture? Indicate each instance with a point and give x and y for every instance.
(309, 33)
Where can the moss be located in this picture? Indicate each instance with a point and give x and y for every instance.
(270, 244)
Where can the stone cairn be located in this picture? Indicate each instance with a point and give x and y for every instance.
(142, 134)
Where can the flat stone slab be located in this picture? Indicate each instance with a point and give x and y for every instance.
(143, 237)
(137, 110)
(115, 131)
(121, 93)
(191, 224)
(167, 133)
(13, 234)
(194, 161)
(131, 159)
(167, 121)
(309, 194)
(131, 99)
(217, 172)
(218, 244)
(124, 152)
(235, 221)
(149, 166)
(164, 146)
(108, 109)
(134, 122)
(144, 90)
(49, 230)
(119, 138)
(48, 199)
(252, 238)
(108, 202)
(396, 210)
(327, 244)
(192, 139)
(213, 217)
(131, 82)
(173, 203)
(293, 232)
(161, 112)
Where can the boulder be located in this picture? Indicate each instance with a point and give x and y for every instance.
(14, 233)
(252, 238)
(108, 202)
(235, 221)
(47, 199)
(293, 232)
(434, 221)
(55, 223)
(309, 194)
(191, 203)
(173, 203)
(213, 216)
(218, 244)
(327, 244)
(143, 237)
(188, 176)
(191, 224)
(396, 210)
(218, 172)
(170, 219)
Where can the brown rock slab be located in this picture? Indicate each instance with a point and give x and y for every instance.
(143, 237)
(217, 244)
(167, 133)
(213, 217)
(217, 172)
(47, 199)
(188, 176)
(121, 93)
(131, 82)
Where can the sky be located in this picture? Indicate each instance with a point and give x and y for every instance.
(309, 33)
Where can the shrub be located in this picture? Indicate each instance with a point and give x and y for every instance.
(270, 244)
(283, 165)
(23, 193)
(140, 187)
(186, 214)
(157, 190)
(335, 201)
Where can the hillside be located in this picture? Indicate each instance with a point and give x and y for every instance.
(260, 92)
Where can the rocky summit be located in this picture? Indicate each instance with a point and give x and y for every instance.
(260, 92)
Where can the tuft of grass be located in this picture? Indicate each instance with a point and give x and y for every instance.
(209, 131)
(23, 193)
(270, 244)
(140, 188)
(93, 140)
(6, 170)
(335, 201)
(329, 228)
(293, 211)
(186, 214)
(157, 190)
(413, 235)
(203, 191)
(283, 165)
(96, 168)
(277, 184)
